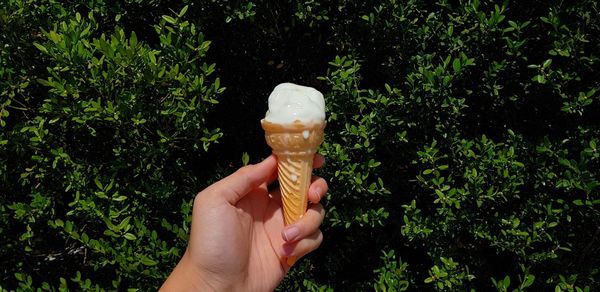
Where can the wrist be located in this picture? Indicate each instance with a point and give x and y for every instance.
(187, 276)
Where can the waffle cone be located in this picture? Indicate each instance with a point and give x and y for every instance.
(295, 146)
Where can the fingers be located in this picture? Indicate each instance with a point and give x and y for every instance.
(303, 236)
(318, 161)
(318, 188)
(272, 177)
(299, 249)
(245, 179)
(307, 225)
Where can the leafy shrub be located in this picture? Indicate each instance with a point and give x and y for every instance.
(462, 137)
(101, 137)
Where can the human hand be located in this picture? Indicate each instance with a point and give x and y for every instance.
(238, 241)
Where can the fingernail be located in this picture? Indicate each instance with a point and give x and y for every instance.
(318, 192)
(291, 233)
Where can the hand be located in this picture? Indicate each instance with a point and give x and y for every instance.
(238, 240)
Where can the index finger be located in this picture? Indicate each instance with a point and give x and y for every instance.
(237, 185)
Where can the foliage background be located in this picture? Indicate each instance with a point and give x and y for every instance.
(462, 139)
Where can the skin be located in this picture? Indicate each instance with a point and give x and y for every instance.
(238, 241)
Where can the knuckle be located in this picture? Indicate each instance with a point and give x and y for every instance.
(199, 197)
(319, 238)
(244, 173)
(245, 170)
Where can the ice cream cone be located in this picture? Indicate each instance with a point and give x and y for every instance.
(295, 146)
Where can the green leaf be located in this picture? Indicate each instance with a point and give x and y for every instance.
(40, 47)
(540, 79)
(183, 11)
(56, 38)
(98, 184)
(245, 158)
(456, 65)
(43, 82)
(152, 58)
(110, 233)
(169, 19)
(119, 198)
(59, 223)
(129, 236)
(506, 281)
(124, 223)
(19, 277)
(147, 261)
(133, 39)
(528, 281)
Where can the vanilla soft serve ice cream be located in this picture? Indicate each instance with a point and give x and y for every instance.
(290, 103)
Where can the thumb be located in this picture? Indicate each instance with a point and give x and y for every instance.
(237, 185)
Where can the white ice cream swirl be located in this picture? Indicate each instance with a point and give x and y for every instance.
(289, 103)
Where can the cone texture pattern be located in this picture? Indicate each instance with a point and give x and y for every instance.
(295, 146)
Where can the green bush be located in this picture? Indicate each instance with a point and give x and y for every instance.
(462, 138)
(98, 150)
